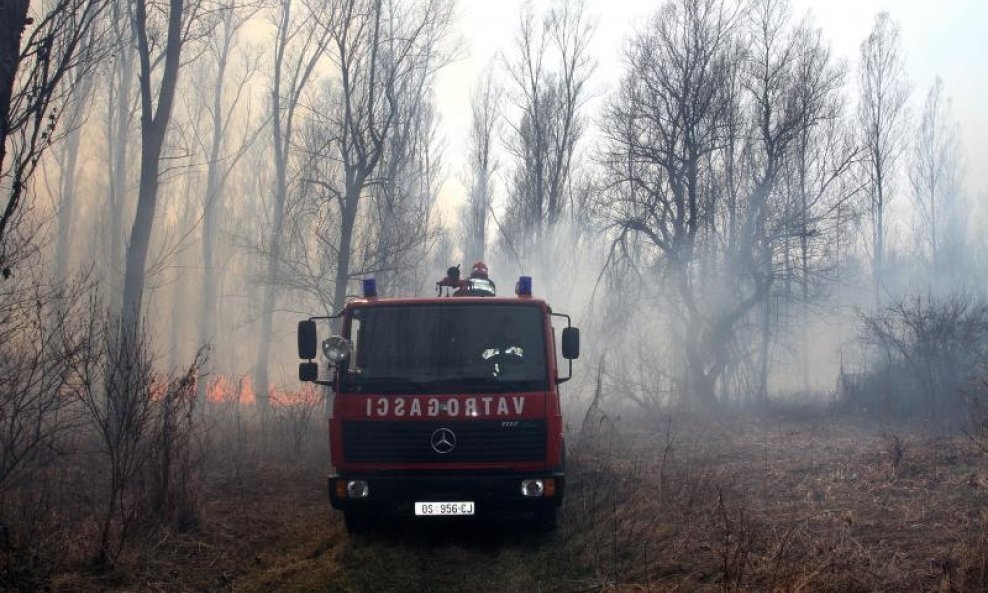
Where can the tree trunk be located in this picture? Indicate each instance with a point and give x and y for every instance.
(120, 137)
(763, 356)
(153, 129)
(179, 302)
(261, 381)
(349, 217)
(13, 18)
(140, 234)
(83, 84)
(879, 242)
(70, 157)
(211, 201)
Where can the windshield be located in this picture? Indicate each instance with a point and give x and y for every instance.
(446, 349)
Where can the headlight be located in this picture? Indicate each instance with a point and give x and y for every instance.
(336, 349)
(357, 489)
(532, 488)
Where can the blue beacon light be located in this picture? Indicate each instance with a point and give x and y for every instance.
(524, 287)
(370, 288)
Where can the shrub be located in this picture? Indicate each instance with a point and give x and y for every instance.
(923, 351)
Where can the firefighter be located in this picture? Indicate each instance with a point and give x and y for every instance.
(479, 282)
(479, 270)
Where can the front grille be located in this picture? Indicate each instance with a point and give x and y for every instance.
(476, 441)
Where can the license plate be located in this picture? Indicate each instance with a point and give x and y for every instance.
(443, 509)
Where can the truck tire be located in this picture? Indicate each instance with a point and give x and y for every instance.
(547, 519)
(356, 521)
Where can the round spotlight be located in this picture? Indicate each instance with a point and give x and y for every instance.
(357, 489)
(336, 349)
(533, 488)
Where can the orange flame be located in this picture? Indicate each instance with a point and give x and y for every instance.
(222, 390)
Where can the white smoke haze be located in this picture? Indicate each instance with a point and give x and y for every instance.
(766, 217)
(412, 207)
(405, 233)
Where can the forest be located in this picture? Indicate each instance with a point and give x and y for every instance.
(773, 252)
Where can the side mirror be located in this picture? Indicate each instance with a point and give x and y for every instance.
(307, 345)
(571, 343)
(308, 371)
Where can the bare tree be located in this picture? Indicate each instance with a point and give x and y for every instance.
(299, 45)
(129, 377)
(401, 222)
(76, 113)
(34, 84)
(934, 174)
(549, 75)
(373, 169)
(665, 122)
(121, 106)
(156, 112)
(881, 121)
(709, 118)
(385, 51)
(482, 164)
(799, 156)
(370, 145)
(221, 110)
(823, 206)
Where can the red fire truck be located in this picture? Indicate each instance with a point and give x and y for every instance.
(444, 406)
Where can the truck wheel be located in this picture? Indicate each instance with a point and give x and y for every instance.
(547, 520)
(356, 521)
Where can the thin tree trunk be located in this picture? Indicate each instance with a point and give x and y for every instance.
(121, 160)
(66, 208)
(763, 357)
(179, 301)
(349, 217)
(261, 381)
(281, 126)
(211, 201)
(879, 243)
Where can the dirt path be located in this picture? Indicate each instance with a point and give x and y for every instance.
(314, 554)
(286, 537)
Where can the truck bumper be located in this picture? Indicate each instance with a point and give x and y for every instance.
(490, 493)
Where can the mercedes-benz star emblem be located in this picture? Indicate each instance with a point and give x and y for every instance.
(443, 440)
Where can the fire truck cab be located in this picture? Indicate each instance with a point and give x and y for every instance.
(444, 406)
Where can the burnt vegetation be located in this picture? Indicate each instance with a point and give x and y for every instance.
(770, 250)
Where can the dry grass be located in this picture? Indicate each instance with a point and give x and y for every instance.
(760, 506)
(693, 505)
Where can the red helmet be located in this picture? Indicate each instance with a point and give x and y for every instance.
(479, 269)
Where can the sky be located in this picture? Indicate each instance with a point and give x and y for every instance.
(948, 38)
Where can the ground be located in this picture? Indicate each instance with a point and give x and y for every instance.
(680, 504)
